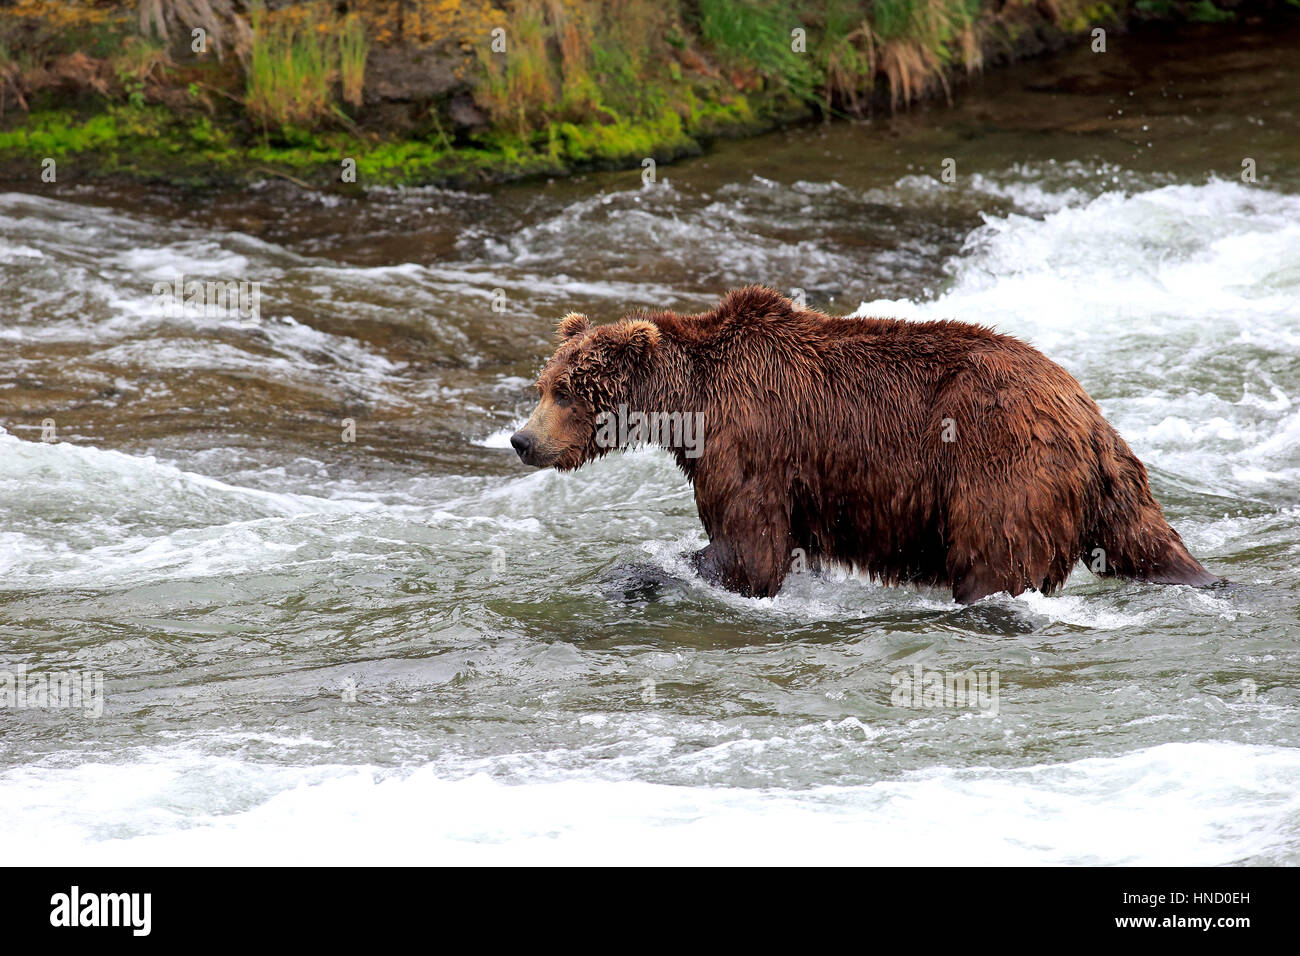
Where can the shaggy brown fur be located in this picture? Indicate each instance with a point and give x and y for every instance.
(828, 435)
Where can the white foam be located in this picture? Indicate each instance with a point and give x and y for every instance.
(24, 463)
(98, 517)
(498, 439)
(1220, 250)
(1177, 804)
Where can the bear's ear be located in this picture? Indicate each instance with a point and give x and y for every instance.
(638, 339)
(575, 323)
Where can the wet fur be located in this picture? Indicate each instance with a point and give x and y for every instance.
(826, 434)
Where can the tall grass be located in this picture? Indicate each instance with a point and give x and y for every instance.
(913, 43)
(758, 33)
(576, 61)
(519, 82)
(294, 63)
(353, 50)
(846, 57)
(290, 72)
(920, 41)
(605, 62)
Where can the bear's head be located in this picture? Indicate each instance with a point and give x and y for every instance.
(586, 379)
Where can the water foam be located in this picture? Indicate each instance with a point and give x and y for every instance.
(1176, 804)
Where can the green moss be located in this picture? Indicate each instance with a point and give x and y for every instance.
(1203, 11)
(623, 142)
(56, 134)
(1195, 11)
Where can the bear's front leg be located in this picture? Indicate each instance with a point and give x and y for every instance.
(747, 521)
(753, 568)
(706, 565)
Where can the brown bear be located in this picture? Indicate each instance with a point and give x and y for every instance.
(938, 453)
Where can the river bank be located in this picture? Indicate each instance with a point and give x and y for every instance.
(467, 93)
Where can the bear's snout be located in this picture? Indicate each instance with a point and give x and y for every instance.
(523, 445)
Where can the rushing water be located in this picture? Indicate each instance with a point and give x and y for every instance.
(408, 647)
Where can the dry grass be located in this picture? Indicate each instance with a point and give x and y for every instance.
(926, 39)
(141, 60)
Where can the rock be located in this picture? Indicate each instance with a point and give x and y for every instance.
(464, 112)
(407, 74)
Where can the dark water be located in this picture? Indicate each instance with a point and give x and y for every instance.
(411, 644)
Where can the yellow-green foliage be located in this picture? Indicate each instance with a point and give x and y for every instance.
(295, 60)
(518, 76)
(353, 50)
(575, 61)
(289, 72)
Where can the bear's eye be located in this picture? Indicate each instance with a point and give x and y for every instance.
(564, 401)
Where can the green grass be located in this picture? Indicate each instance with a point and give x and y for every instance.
(933, 24)
(353, 50)
(759, 34)
(290, 73)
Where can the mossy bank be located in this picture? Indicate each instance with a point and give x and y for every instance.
(436, 91)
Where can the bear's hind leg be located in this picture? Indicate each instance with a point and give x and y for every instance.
(976, 583)
(1129, 536)
(1009, 546)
